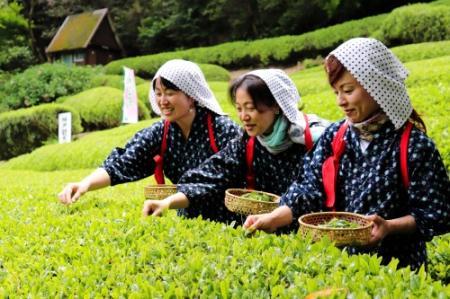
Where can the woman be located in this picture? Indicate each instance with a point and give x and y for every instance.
(194, 128)
(275, 132)
(364, 164)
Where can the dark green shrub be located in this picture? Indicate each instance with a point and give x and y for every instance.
(44, 83)
(16, 58)
(416, 23)
(101, 107)
(23, 130)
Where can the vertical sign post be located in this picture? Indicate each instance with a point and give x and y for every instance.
(65, 127)
(130, 107)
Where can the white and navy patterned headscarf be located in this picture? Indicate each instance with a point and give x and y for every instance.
(380, 73)
(284, 91)
(188, 77)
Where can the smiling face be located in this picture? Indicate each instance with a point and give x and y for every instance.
(353, 99)
(256, 121)
(173, 103)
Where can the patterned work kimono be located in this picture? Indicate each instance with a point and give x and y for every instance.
(370, 183)
(205, 186)
(135, 161)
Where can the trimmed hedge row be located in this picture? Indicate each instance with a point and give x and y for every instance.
(414, 52)
(101, 247)
(101, 107)
(428, 87)
(267, 51)
(146, 66)
(26, 129)
(418, 23)
(85, 153)
(423, 72)
(115, 81)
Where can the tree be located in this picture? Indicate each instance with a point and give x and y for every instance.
(15, 53)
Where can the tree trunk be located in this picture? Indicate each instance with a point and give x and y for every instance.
(33, 42)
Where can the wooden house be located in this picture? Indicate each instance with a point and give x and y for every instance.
(86, 38)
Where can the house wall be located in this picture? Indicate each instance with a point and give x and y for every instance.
(104, 37)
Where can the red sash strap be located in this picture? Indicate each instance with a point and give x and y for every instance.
(404, 141)
(331, 165)
(212, 140)
(159, 167)
(308, 137)
(159, 159)
(249, 154)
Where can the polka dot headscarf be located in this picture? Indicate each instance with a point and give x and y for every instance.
(381, 74)
(188, 77)
(284, 91)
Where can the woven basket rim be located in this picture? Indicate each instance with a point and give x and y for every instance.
(161, 186)
(276, 201)
(368, 225)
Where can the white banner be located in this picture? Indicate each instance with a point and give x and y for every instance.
(65, 127)
(130, 107)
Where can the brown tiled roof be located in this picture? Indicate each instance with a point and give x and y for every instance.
(77, 31)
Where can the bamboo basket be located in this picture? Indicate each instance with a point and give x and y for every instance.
(360, 236)
(159, 191)
(246, 206)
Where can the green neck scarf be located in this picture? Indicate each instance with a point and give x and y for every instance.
(278, 140)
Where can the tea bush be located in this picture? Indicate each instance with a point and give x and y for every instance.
(115, 81)
(84, 153)
(428, 87)
(421, 51)
(439, 258)
(101, 247)
(240, 54)
(26, 129)
(101, 107)
(416, 23)
(45, 83)
(146, 66)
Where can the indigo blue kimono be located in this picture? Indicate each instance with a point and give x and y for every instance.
(370, 183)
(205, 186)
(135, 161)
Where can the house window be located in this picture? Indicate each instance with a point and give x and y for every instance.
(78, 58)
(71, 58)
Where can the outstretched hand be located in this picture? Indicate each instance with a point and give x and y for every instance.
(155, 207)
(259, 222)
(72, 192)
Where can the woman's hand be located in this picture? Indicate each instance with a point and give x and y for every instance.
(158, 207)
(99, 178)
(72, 192)
(155, 207)
(269, 222)
(380, 229)
(262, 222)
